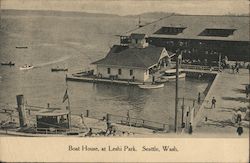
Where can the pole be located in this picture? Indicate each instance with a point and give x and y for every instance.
(182, 113)
(68, 106)
(176, 92)
(219, 60)
(69, 113)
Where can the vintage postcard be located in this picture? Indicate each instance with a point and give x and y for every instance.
(124, 80)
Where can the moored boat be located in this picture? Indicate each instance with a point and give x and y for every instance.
(21, 47)
(59, 69)
(171, 74)
(26, 67)
(84, 73)
(151, 86)
(44, 122)
(161, 80)
(8, 63)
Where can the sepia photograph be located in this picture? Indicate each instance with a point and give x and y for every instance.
(125, 69)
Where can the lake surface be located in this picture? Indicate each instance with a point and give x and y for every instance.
(75, 42)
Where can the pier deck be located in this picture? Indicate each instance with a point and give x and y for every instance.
(93, 79)
(229, 91)
(97, 80)
(200, 71)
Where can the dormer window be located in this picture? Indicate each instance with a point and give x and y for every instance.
(170, 30)
(217, 32)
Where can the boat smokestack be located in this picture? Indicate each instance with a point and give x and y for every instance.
(21, 110)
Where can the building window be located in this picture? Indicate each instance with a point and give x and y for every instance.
(136, 41)
(131, 72)
(108, 70)
(119, 71)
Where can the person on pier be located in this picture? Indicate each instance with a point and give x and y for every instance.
(213, 103)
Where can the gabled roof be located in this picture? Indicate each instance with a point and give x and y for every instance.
(195, 24)
(132, 57)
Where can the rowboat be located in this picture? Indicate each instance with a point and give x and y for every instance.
(84, 73)
(21, 47)
(171, 74)
(59, 69)
(8, 63)
(26, 67)
(161, 80)
(151, 86)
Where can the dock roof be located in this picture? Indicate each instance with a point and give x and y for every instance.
(132, 57)
(194, 25)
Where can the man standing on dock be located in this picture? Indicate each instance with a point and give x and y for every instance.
(199, 98)
(239, 130)
(237, 69)
(247, 90)
(213, 103)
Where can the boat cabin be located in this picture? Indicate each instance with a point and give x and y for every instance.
(57, 119)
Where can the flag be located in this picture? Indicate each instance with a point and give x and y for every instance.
(65, 97)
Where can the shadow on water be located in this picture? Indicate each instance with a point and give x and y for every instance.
(239, 90)
(242, 109)
(240, 99)
(221, 124)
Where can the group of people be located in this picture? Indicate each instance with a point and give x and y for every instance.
(238, 117)
(238, 122)
(189, 130)
(235, 68)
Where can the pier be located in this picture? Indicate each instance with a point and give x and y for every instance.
(192, 71)
(229, 91)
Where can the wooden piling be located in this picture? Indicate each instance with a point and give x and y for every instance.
(87, 113)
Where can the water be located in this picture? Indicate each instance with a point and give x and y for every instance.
(75, 43)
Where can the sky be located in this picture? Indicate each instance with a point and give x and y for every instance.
(133, 7)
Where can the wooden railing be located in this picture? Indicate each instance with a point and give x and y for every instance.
(129, 121)
(198, 67)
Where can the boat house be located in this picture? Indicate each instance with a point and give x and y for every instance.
(134, 61)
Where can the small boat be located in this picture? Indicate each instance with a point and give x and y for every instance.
(151, 86)
(21, 47)
(45, 122)
(161, 80)
(26, 67)
(59, 69)
(171, 74)
(8, 63)
(84, 73)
